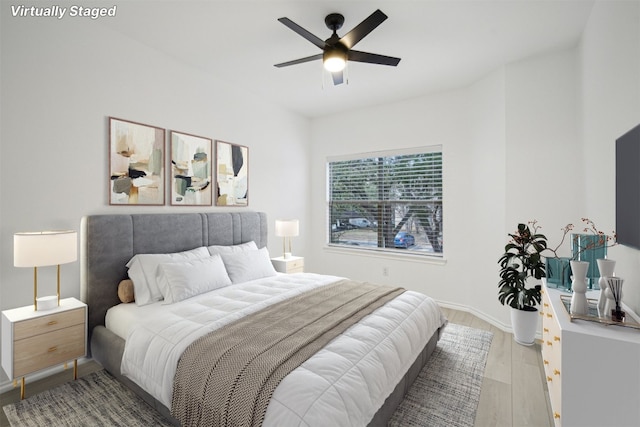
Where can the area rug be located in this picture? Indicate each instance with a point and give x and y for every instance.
(446, 393)
(447, 390)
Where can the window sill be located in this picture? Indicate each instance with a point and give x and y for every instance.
(377, 253)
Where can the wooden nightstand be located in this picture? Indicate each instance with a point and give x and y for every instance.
(34, 340)
(294, 264)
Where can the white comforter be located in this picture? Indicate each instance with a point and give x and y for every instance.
(344, 384)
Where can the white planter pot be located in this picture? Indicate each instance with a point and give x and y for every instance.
(525, 325)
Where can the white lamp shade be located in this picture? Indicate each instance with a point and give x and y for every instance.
(42, 248)
(287, 227)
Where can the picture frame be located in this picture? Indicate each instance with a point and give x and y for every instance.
(136, 163)
(191, 177)
(232, 174)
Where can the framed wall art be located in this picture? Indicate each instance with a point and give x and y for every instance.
(136, 163)
(191, 183)
(232, 174)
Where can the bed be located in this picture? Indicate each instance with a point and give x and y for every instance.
(382, 352)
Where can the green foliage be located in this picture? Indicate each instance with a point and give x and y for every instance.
(522, 259)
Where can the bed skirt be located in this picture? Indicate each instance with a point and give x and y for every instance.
(107, 349)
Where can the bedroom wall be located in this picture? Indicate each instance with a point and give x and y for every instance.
(546, 126)
(60, 82)
(610, 87)
(493, 133)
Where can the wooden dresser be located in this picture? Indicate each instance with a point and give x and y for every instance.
(35, 340)
(592, 370)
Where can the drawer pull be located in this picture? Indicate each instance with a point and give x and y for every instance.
(545, 304)
(51, 323)
(556, 338)
(556, 415)
(549, 315)
(556, 372)
(542, 313)
(546, 330)
(549, 343)
(546, 362)
(549, 379)
(52, 349)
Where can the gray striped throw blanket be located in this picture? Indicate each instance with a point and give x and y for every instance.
(227, 377)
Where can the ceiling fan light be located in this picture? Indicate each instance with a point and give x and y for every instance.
(334, 61)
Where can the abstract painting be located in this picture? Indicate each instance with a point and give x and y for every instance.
(232, 182)
(136, 163)
(190, 170)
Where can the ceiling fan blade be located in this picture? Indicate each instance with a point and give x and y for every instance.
(362, 29)
(372, 58)
(304, 33)
(338, 78)
(299, 61)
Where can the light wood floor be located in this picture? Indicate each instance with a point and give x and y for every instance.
(514, 392)
(514, 389)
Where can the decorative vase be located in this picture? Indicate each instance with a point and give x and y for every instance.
(614, 286)
(579, 304)
(606, 268)
(524, 323)
(610, 303)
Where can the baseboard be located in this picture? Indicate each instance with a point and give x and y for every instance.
(6, 386)
(480, 315)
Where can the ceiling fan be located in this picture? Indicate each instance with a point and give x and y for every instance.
(336, 51)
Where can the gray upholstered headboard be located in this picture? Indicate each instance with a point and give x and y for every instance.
(109, 242)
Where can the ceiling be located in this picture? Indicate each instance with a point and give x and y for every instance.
(443, 44)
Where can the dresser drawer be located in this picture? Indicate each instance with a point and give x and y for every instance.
(551, 348)
(45, 324)
(42, 351)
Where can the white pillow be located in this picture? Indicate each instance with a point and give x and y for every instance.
(218, 249)
(248, 265)
(143, 270)
(182, 280)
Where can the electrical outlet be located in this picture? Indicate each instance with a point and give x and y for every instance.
(385, 271)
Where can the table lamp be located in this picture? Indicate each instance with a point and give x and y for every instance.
(44, 248)
(286, 228)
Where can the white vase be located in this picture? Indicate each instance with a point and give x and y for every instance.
(524, 324)
(579, 304)
(606, 268)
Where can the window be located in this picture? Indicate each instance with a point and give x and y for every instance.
(389, 201)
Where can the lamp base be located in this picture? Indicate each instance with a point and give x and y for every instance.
(47, 303)
(287, 255)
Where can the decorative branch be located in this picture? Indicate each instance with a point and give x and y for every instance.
(590, 227)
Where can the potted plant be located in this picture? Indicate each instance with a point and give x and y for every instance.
(521, 268)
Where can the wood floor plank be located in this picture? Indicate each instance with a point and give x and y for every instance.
(499, 362)
(529, 400)
(492, 410)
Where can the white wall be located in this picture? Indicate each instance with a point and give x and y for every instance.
(508, 140)
(531, 141)
(61, 79)
(610, 88)
(439, 119)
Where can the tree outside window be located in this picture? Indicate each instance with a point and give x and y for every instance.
(387, 201)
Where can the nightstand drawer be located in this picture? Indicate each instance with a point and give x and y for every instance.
(288, 265)
(42, 351)
(295, 266)
(46, 324)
